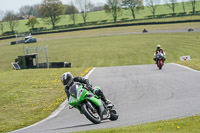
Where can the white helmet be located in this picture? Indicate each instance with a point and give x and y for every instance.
(158, 46)
(67, 79)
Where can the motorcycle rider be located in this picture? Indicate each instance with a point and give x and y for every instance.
(159, 50)
(68, 80)
(144, 30)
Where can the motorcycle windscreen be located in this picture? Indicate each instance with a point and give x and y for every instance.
(160, 55)
(73, 90)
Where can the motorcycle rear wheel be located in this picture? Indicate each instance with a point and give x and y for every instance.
(113, 115)
(93, 117)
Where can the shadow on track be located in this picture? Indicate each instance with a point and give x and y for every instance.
(75, 126)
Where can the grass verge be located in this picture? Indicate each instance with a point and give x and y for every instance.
(28, 96)
(194, 63)
(183, 125)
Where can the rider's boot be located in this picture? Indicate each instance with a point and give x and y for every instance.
(106, 101)
(99, 93)
(154, 60)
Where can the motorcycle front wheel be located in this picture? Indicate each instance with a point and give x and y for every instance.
(160, 64)
(90, 114)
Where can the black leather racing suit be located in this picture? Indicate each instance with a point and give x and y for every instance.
(88, 85)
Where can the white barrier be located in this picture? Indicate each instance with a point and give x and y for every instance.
(184, 58)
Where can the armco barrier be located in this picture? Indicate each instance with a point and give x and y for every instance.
(7, 37)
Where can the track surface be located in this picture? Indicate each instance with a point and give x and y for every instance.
(140, 93)
(120, 33)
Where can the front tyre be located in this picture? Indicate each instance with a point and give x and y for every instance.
(160, 64)
(91, 115)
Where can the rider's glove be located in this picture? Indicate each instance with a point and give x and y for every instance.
(89, 86)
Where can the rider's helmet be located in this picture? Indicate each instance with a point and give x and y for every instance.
(67, 79)
(158, 47)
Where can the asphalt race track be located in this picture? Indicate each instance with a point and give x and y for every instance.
(140, 93)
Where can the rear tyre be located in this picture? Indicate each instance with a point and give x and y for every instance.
(113, 115)
(93, 117)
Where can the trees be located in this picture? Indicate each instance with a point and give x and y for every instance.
(26, 10)
(85, 6)
(133, 5)
(98, 8)
(183, 6)
(72, 11)
(32, 22)
(172, 4)
(30, 10)
(12, 20)
(69, 9)
(153, 4)
(113, 7)
(36, 9)
(193, 2)
(1, 21)
(51, 10)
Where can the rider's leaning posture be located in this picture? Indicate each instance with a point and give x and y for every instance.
(159, 50)
(68, 80)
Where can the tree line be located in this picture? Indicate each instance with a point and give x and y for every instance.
(51, 10)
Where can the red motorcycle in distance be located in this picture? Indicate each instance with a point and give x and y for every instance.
(160, 60)
(144, 30)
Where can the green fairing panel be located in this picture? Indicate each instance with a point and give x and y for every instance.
(72, 101)
(95, 100)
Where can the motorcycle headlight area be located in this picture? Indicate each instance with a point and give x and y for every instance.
(79, 94)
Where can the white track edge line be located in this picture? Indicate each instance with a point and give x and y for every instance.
(56, 112)
(185, 67)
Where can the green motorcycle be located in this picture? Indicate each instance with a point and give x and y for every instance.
(90, 105)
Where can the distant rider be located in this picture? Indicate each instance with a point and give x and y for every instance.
(159, 50)
(68, 80)
(145, 30)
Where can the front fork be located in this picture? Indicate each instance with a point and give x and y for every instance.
(89, 105)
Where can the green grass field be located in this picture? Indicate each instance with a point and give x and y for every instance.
(101, 15)
(34, 94)
(114, 50)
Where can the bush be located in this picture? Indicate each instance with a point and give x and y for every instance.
(197, 12)
(124, 19)
(161, 16)
(38, 29)
(9, 33)
(70, 26)
(172, 14)
(103, 21)
(149, 17)
(94, 22)
(191, 13)
(181, 14)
